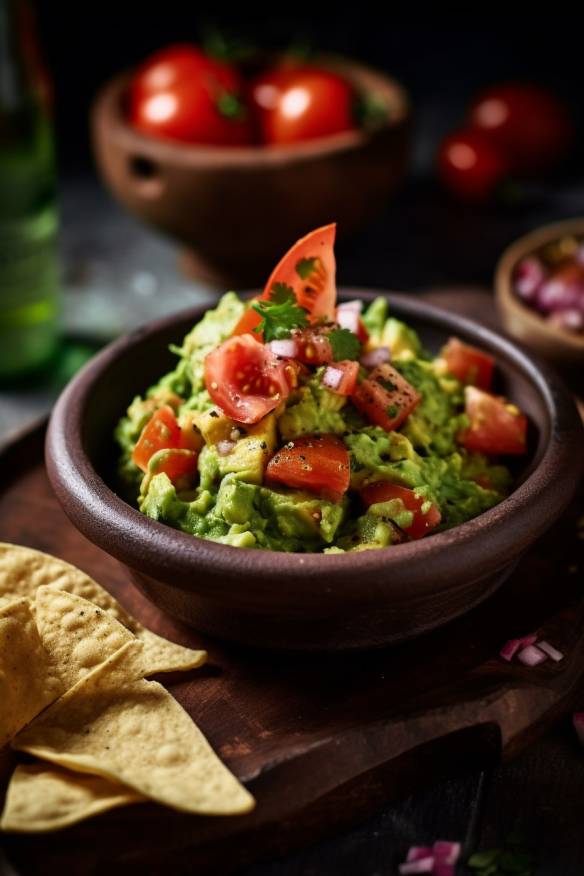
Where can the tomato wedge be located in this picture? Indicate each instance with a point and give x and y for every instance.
(383, 491)
(385, 397)
(318, 463)
(245, 379)
(341, 377)
(469, 364)
(496, 427)
(161, 432)
(309, 267)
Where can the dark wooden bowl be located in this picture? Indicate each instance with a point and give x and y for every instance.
(236, 210)
(311, 601)
(564, 349)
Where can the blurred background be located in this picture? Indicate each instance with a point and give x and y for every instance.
(117, 272)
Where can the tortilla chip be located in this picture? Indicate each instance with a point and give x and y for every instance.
(76, 634)
(43, 798)
(136, 734)
(23, 571)
(27, 681)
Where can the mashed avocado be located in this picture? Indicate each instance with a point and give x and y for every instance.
(230, 501)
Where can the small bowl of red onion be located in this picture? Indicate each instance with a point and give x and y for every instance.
(540, 292)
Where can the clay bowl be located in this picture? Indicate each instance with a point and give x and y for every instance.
(309, 601)
(236, 210)
(563, 349)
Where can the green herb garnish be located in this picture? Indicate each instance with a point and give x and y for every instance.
(280, 314)
(392, 411)
(389, 385)
(344, 344)
(305, 267)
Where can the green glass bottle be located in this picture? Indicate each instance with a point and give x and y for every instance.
(29, 275)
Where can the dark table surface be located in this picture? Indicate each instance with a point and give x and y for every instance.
(117, 274)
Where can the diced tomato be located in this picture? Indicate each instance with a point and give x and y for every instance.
(496, 427)
(245, 379)
(248, 322)
(383, 491)
(348, 380)
(180, 465)
(385, 397)
(313, 348)
(318, 463)
(468, 364)
(362, 332)
(161, 432)
(309, 267)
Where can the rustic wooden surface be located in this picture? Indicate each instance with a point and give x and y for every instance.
(322, 742)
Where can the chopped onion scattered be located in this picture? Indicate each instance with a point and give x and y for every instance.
(376, 357)
(417, 852)
(348, 319)
(287, 348)
(510, 648)
(332, 377)
(224, 448)
(422, 865)
(446, 852)
(578, 719)
(531, 656)
(550, 651)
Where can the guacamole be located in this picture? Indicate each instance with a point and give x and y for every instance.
(364, 460)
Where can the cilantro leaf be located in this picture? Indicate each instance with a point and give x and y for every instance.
(344, 344)
(305, 267)
(280, 313)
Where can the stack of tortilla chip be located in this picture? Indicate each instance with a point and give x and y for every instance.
(73, 693)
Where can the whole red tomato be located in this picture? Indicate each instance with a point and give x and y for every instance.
(179, 93)
(292, 104)
(529, 124)
(471, 166)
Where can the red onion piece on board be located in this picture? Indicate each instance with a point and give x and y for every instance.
(578, 721)
(376, 357)
(287, 348)
(443, 869)
(550, 651)
(510, 648)
(332, 377)
(446, 852)
(422, 865)
(225, 447)
(417, 852)
(531, 656)
(529, 276)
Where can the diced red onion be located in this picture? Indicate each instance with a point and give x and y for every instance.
(446, 852)
(332, 377)
(422, 865)
(578, 720)
(417, 852)
(287, 348)
(550, 651)
(443, 869)
(559, 294)
(531, 656)
(510, 648)
(348, 319)
(529, 276)
(225, 447)
(376, 357)
(571, 319)
(351, 305)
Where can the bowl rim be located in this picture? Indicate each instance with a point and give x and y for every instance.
(506, 298)
(107, 108)
(473, 549)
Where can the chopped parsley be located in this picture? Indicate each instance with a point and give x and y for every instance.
(280, 314)
(305, 267)
(386, 384)
(392, 411)
(344, 344)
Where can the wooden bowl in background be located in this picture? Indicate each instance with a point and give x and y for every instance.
(237, 209)
(560, 347)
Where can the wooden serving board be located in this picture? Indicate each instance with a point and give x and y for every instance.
(320, 741)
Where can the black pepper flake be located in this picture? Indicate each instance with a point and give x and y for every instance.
(213, 414)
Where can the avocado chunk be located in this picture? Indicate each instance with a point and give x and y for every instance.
(311, 409)
(248, 457)
(297, 514)
(402, 340)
